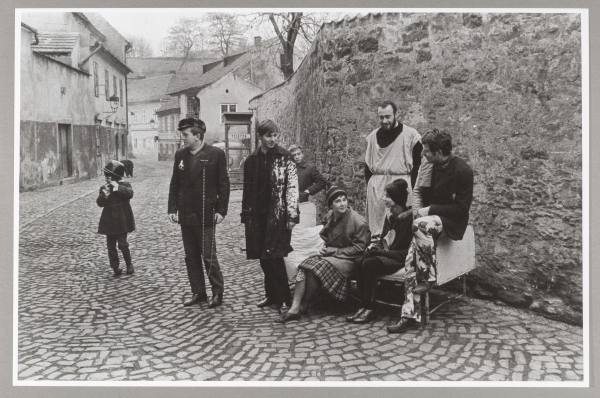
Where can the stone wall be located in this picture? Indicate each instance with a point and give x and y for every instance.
(508, 89)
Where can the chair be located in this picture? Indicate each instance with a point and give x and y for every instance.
(455, 258)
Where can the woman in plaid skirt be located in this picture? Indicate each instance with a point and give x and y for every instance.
(346, 235)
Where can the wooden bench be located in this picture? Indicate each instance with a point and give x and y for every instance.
(455, 259)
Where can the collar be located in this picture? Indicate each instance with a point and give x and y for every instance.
(198, 150)
(278, 150)
(446, 163)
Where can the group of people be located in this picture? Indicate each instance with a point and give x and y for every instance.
(416, 190)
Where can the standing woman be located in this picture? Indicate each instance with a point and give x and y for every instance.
(270, 211)
(346, 235)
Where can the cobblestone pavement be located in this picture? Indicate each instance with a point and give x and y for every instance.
(77, 322)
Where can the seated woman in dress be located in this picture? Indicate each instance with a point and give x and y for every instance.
(386, 256)
(346, 236)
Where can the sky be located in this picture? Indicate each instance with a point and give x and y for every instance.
(154, 24)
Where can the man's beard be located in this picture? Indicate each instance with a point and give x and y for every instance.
(388, 127)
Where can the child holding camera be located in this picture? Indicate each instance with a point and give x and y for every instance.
(116, 220)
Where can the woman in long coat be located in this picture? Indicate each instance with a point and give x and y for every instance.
(270, 211)
(346, 235)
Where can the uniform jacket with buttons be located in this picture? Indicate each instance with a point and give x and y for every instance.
(199, 185)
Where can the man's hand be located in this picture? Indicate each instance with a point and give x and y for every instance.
(173, 217)
(304, 196)
(327, 251)
(218, 218)
(114, 184)
(422, 212)
(291, 224)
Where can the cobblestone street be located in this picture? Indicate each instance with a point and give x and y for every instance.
(76, 322)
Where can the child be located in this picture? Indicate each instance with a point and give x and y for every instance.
(117, 217)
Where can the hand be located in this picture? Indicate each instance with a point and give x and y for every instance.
(218, 218)
(327, 251)
(173, 217)
(114, 184)
(291, 224)
(304, 196)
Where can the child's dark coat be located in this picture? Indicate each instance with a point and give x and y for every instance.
(117, 216)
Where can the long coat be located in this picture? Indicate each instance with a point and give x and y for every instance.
(117, 216)
(350, 235)
(199, 185)
(270, 237)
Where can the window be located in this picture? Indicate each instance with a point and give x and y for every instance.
(106, 85)
(193, 107)
(121, 92)
(114, 85)
(96, 82)
(227, 108)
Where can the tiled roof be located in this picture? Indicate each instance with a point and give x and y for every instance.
(187, 81)
(149, 88)
(169, 103)
(151, 66)
(56, 42)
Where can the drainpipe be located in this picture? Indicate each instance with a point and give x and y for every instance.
(127, 47)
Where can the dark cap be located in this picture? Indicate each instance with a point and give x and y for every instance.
(191, 122)
(114, 169)
(333, 193)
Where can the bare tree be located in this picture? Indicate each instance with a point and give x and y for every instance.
(225, 32)
(289, 27)
(186, 36)
(140, 47)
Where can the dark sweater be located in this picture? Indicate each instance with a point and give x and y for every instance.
(402, 225)
(309, 179)
(450, 195)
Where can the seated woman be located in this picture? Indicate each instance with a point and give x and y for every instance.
(387, 255)
(346, 236)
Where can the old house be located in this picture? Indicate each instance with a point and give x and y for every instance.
(73, 97)
(226, 85)
(144, 102)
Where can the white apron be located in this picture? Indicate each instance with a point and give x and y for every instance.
(387, 164)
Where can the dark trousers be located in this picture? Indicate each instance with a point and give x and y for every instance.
(197, 249)
(113, 256)
(276, 281)
(368, 270)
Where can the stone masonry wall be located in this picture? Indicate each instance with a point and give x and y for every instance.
(508, 89)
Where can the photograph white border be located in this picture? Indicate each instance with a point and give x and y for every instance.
(585, 84)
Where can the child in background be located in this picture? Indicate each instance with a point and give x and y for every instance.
(117, 217)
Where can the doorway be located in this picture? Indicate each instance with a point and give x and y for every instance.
(65, 145)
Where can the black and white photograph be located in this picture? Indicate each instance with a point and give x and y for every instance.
(301, 197)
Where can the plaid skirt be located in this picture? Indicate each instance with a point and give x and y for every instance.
(332, 280)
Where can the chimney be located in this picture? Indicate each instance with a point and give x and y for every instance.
(257, 41)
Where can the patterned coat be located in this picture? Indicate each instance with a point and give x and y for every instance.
(117, 216)
(267, 233)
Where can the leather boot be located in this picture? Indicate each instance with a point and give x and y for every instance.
(216, 300)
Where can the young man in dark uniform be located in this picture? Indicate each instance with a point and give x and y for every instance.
(198, 200)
